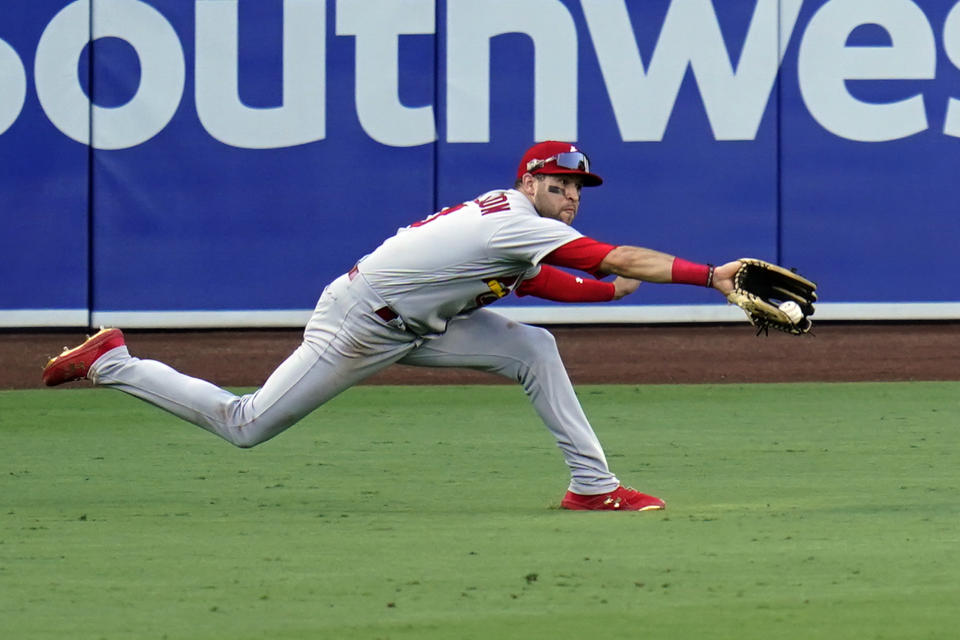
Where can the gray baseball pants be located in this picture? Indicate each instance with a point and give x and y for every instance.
(345, 342)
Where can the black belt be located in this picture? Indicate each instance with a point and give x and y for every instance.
(386, 313)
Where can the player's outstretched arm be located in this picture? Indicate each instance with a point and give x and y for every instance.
(650, 265)
(639, 264)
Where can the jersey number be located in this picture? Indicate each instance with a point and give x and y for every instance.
(490, 204)
(436, 215)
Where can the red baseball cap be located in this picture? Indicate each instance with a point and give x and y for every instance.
(553, 157)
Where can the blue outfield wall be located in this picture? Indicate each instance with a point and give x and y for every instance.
(169, 163)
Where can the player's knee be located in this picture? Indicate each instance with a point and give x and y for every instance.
(261, 429)
(244, 438)
(538, 345)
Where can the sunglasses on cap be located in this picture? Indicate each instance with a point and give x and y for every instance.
(575, 160)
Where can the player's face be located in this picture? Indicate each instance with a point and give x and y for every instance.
(558, 197)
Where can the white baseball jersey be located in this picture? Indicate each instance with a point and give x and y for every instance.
(462, 258)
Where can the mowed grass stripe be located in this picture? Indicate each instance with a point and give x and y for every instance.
(794, 511)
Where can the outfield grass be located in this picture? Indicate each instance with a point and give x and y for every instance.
(794, 511)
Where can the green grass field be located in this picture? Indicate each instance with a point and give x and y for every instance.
(794, 511)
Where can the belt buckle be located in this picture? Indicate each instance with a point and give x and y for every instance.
(387, 314)
(391, 318)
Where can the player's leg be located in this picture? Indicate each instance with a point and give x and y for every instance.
(343, 344)
(487, 341)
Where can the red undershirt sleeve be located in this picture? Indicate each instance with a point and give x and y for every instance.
(558, 285)
(586, 254)
(583, 254)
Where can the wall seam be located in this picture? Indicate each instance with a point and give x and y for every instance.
(779, 126)
(90, 177)
(436, 106)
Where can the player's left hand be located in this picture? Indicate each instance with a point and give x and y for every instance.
(624, 287)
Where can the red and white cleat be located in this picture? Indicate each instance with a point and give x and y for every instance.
(620, 499)
(73, 364)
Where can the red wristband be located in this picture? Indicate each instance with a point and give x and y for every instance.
(686, 272)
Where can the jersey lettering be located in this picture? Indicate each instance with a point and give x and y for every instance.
(493, 204)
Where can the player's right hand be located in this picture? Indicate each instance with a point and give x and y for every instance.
(624, 287)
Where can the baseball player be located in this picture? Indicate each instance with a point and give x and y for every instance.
(420, 299)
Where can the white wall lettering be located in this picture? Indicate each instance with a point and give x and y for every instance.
(826, 63)
(734, 100)
(951, 43)
(642, 93)
(13, 86)
(382, 115)
(161, 72)
(302, 116)
(470, 26)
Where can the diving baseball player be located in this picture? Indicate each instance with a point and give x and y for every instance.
(420, 298)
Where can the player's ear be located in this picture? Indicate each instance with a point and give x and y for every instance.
(528, 184)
